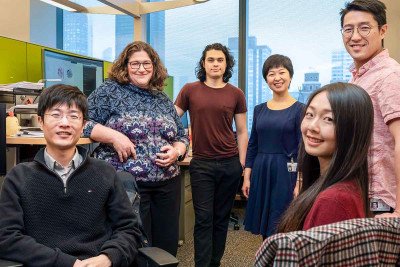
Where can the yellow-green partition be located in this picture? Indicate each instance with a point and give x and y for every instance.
(169, 87)
(22, 61)
(12, 61)
(107, 67)
(34, 62)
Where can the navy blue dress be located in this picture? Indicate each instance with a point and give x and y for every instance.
(274, 141)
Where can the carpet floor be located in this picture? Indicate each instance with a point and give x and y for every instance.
(240, 249)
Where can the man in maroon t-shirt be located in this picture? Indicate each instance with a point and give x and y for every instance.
(218, 159)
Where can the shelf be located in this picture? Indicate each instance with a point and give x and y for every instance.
(9, 96)
(25, 110)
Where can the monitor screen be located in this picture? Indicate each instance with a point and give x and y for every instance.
(86, 74)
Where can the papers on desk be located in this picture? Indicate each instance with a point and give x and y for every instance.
(30, 133)
(26, 85)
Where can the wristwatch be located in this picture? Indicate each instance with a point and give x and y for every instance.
(180, 156)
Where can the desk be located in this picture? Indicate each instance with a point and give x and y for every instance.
(186, 217)
(14, 156)
(38, 141)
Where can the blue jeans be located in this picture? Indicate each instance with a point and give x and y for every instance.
(214, 185)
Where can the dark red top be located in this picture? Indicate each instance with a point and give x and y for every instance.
(211, 112)
(340, 202)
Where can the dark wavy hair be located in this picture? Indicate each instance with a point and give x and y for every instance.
(230, 62)
(60, 94)
(353, 118)
(119, 70)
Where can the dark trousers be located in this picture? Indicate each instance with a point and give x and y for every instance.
(159, 211)
(214, 185)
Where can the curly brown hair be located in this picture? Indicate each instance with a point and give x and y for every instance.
(119, 70)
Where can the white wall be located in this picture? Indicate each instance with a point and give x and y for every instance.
(392, 40)
(15, 19)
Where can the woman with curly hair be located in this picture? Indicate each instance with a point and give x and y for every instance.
(140, 132)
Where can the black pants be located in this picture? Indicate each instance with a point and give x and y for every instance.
(214, 185)
(159, 210)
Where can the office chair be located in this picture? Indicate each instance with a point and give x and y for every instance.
(233, 217)
(147, 256)
(356, 242)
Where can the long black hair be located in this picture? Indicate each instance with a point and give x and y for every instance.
(230, 62)
(353, 118)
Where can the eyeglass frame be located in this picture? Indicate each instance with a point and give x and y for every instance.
(141, 64)
(59, 117)
(342, 30)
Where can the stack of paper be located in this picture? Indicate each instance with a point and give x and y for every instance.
(26, 85)
(30, 134)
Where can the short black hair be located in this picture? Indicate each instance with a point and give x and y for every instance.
(276, 61)
(375, 7)
(60, 94)
(230, 62)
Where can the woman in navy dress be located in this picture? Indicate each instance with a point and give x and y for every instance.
(271, 169)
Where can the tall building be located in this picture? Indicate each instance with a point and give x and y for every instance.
(77, 33)
(123, 32)
(341, 61)
(257, 90)
(156, 31)
(311, 83)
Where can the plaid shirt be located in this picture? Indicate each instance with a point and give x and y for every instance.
(356, 242)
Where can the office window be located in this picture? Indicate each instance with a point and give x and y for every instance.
(180, 35)
(96, 35)
(43, 24)
(307, 31)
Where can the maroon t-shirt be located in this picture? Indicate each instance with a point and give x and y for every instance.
(211, 112)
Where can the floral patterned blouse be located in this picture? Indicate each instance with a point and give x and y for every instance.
(147, 117)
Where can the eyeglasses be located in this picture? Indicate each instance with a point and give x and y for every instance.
(135, 65)
(349, 31)
(56, 117)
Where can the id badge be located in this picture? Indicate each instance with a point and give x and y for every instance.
(378, 205)
(292, 166)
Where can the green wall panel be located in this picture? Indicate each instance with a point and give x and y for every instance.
(34, 62)
(169, 87)
(21, 61)
(13, 60)
(107, 67)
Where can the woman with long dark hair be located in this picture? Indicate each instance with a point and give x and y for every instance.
(336, 130)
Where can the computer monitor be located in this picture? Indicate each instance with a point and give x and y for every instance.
(85, 73)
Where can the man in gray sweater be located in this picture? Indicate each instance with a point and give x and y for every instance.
(65, 208)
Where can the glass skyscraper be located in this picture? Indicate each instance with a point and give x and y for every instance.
(257, 90)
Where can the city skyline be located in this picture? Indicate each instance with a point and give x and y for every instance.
(180, 35)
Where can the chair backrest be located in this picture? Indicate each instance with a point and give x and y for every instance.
(356, 242)
(131, 188)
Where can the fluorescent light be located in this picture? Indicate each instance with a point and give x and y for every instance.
(53, 3)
